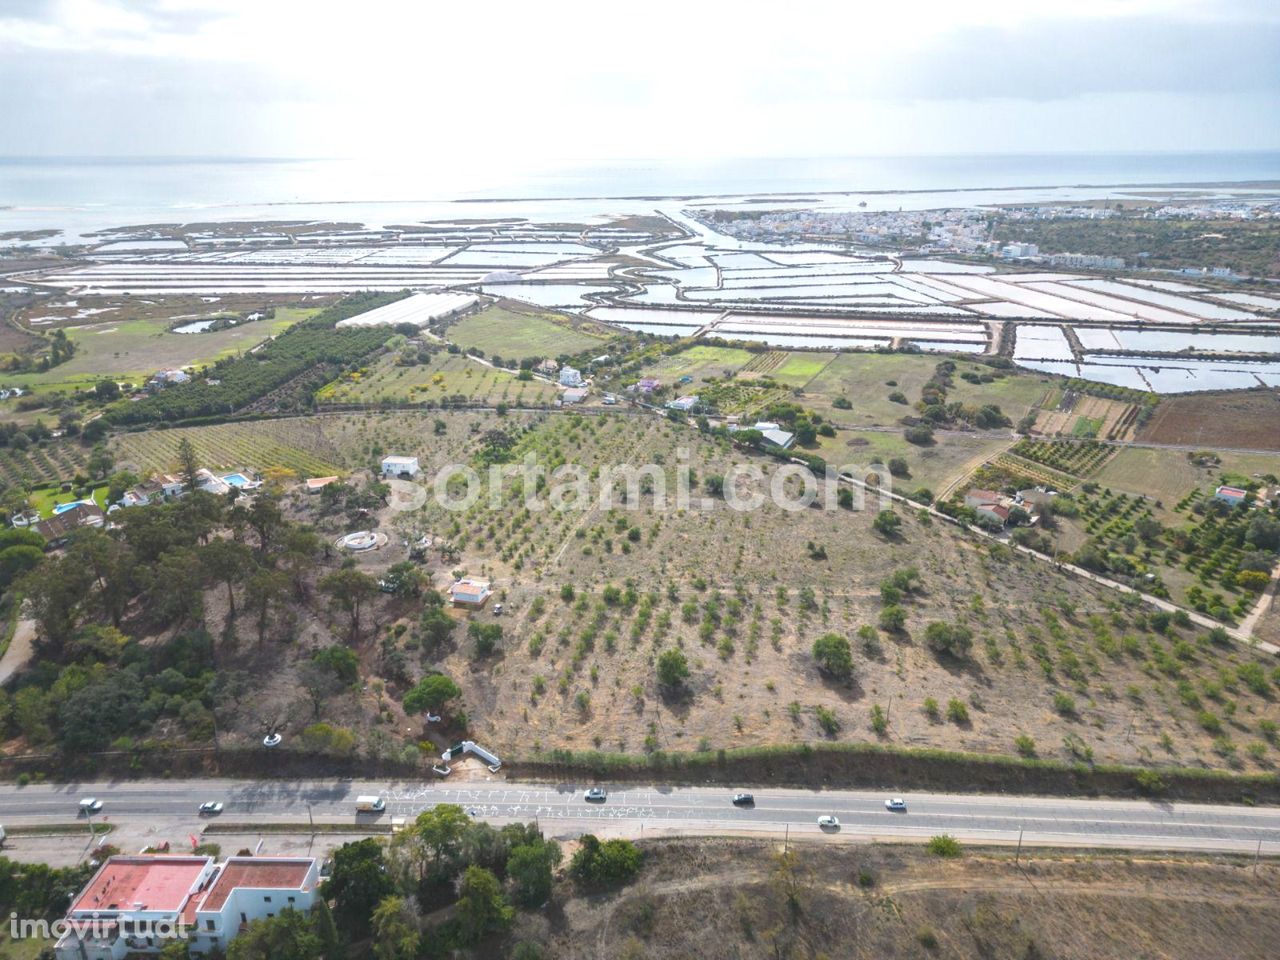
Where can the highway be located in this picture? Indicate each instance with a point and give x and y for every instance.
(633, 811)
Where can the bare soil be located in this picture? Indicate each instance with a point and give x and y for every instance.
(1235, 419)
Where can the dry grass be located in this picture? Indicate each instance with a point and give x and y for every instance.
(722, 899)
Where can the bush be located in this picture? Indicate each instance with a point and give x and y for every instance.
(950, 639)
(833, 656)
(944, 845)
(673, 668)
(1150, 782)
(931, 709)
(1026, 746)
(1064, 704)
(599, 865)
(887, 523)
(827, 720)
(957, 712)
(893, 618)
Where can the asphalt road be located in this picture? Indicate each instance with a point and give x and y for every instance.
(654, 810)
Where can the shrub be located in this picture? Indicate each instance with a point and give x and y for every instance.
(673, 668)
(1150, 782)
(957, 712)
(598, 865)
(879, 722)
(887, 523)
(944, 845)
(931, 709)
(950, 639)
(1026, 746)
(827, 720)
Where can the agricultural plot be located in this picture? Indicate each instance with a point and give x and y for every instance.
(447, 378)
(596, 591)
(295, 444)
(789, 369)
(698, 363)
(1167, 475)
(1245, 419)
(1087, 416)
(40, 463)
(1077, 459)
(933, 468)
(513, 331)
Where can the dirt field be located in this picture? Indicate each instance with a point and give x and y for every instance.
(1237, 419)
(515, 330)
(727, 899)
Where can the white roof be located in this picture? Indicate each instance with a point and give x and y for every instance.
(399, 459)
(418, 309)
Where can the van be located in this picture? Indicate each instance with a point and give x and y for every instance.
(370, 804)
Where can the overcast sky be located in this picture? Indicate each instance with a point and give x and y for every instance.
(590, 80)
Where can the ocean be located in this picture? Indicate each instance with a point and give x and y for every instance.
(81, 195)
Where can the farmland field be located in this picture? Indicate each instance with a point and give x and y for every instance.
(595, 592)
(1168, 475)
(447, 375)
(516, 331)
(697, 363)
(295, 444)
(134, 349)
(1089, 417)
(41, 463)
(1237, 419)
(789, 369)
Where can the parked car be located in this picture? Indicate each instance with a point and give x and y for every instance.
(210, 808)
(595, 795)
(829, 822)
(743, 800)
(897, 804)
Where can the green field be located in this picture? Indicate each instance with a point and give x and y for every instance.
(295, 444)
(864, 380)
(41, 463)
(446, 376)
(933, 466)
(799, 368)
(698, 363)
(45, 500)
(516, 334)
(134, 349)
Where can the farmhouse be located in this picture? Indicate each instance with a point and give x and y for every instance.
(59, 528)
(993, 511)
(470, 592)
(548, 367)
(418, 310)
(647, 384)
(569, 377)
(976, 498)
(135, 905)
(683, 404)
(573, 395)
(1231, 495)
(400, 466)
(166, 378)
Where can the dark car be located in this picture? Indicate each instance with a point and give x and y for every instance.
(743, 800)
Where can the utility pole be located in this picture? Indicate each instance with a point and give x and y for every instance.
(1257, 855)
(1018, 852)
(310, 819)
(786, 837)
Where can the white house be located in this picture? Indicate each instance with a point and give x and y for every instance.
(400, 466)
(135, 905)
(569, 377)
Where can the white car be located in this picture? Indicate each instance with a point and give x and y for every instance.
(595, 795)
(210, 808)
(828, 821)
(897, 804)
(90, 805)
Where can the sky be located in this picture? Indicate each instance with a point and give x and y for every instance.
(483, 82)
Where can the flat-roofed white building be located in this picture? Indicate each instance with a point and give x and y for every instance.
(419, 309)
(400, 466)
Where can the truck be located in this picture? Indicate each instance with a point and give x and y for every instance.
(370, 804)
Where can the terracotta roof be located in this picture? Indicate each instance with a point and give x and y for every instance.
(256, 874)
(57, 527)
(143, 882)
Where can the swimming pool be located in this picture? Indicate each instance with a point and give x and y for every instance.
(64, 507)
(236, 479)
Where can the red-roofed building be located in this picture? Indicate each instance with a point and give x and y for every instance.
(136, 905)
(1232, 495)
(248, 889)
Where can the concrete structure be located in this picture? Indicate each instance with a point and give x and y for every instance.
(135, 905)
(400, 466)
(548, 367)
(573, 395)
(316, 484)
(570, 377)
(470, 592)
(419, 310)
(166, 378)
(778, 438)
(683, 404)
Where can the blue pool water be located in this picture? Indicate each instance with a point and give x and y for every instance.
(236, 479)
(64, 507)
